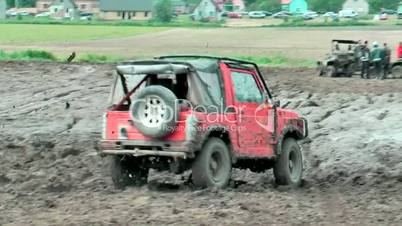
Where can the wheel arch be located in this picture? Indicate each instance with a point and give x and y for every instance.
(220, 132)
(398, 63)
(289, 131)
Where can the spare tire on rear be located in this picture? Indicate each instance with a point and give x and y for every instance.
(154, 111)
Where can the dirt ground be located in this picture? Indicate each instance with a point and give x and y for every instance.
(50, 173)
(300, 43)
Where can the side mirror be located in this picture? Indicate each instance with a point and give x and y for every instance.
(277, 103)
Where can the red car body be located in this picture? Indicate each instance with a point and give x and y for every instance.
(252, 140)
(234, 15)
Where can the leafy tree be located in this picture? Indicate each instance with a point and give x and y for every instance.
(267, 5)
(330, 5)
(320, 5)
(20, 3)
(377, 5)
(335, 5)
(10, 3)
(163, 11)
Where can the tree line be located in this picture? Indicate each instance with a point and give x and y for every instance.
(268, 5)
(321, 5)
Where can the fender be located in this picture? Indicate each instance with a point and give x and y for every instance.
(203, 135)
(290, 130)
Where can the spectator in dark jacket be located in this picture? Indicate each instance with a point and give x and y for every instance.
(365, 59)
(386, 60)
(376, 59)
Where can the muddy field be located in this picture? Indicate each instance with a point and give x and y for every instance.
(50, 173)
(222, 41)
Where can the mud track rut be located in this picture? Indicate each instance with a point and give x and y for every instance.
(49, 174)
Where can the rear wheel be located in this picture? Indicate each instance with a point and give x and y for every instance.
(126, 171)
(288, 168)
(331, 71)
(212, 167)
(350, 70)
(320, 70)
(397, 71)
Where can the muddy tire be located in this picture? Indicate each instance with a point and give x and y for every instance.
(320, 70)
(288, 168)
(331, 71)
(350, 70)
(212, 167)
(126, 171)
(154, 111)
(396, 71)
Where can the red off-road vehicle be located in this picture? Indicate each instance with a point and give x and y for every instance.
(207, 114)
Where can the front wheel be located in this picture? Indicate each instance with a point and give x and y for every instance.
(213, 166)
(126, 171)
(288, 168)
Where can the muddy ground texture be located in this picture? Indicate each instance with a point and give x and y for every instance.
(50, 173)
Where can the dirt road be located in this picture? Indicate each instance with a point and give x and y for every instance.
(50, 174)
(300, 43)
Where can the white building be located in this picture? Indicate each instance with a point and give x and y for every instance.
(3, 7)
(362, 7)
(207, 10)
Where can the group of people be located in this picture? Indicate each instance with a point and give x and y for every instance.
(378, 57)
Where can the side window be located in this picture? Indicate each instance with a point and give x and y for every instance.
(246, 88)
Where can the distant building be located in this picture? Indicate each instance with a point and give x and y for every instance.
(179, 6)
(88, 6)
(3, 9)
(362, 7)
(231, 5)
(126, 9)
(294, 6)
(400, 8)
(207, 10)
(64, 9)
(30, 11)
(43, 5)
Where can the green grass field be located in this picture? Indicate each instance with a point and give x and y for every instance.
(33, 33)
(40, 55)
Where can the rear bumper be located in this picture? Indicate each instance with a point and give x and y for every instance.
(183, 149)
(138, 152)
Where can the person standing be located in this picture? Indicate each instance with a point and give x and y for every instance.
(365, 59)
(376, 59)
(386, 60)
